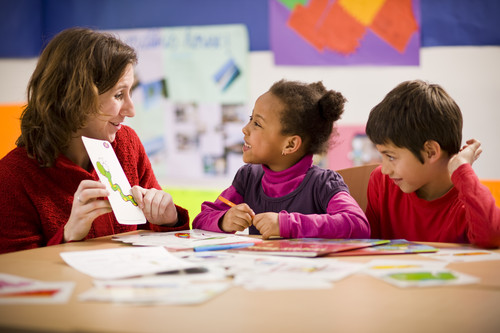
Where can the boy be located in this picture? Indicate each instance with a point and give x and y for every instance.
(426, 189)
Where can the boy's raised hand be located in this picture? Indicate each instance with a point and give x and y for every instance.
(468, 154)
(237, 218)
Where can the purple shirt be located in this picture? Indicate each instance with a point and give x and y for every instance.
(311, 202)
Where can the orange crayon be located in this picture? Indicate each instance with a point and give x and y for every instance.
(227, 202)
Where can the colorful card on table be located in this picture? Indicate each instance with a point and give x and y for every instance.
(395, 246)
(309, 247)
(428, 278)
(111, 174)
(19, 290)
(416, 273)
(464, 254)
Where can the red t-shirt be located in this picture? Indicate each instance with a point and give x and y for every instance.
(466, 214)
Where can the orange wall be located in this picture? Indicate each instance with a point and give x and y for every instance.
(494, 186)
(9, 126)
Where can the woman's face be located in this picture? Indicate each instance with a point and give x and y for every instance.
(115, 105)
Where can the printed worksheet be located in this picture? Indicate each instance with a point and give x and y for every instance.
(111, 174)
(125, 262)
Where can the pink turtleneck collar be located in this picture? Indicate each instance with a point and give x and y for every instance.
(279, 183)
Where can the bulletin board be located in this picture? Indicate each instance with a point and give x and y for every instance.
(191, 98)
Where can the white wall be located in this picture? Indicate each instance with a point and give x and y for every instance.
(471, 75)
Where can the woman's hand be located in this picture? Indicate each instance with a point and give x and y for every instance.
(86, 208)
(468, 154)
(157, 205)
(267, 224)
(237, 218)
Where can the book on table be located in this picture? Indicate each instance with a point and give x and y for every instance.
(394, 246)
(308, 247)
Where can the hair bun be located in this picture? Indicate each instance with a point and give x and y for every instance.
(331, 105)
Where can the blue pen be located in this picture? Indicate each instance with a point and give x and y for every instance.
(221, 247)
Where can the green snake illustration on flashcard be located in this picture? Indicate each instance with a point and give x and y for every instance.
(114, 187)
(110, 173)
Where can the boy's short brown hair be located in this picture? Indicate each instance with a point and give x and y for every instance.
(413, 113)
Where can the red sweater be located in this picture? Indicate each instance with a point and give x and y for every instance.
(466, 214)
(37, 201)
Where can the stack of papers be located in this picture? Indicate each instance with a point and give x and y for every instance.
(187, 240)
(145, 275)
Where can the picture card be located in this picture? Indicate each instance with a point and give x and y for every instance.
(464, 255)
(19, 290)
(111, 174)
(428, 278)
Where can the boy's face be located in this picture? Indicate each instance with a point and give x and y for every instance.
(404, 169)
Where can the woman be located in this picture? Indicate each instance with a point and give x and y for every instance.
(80, 87)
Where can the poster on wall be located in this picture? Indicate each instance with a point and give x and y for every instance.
(352, 147)
(345, 32)
(191, 98)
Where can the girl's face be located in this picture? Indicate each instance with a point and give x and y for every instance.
(115, 105)
(263, 139)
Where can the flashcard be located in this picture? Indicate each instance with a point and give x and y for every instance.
(111, 174)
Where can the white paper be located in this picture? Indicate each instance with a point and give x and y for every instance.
(181, 294)
(124, 262)
(111, 174)
(183, 240)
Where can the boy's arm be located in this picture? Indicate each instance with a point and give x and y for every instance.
(482, 214)
(344, 219)
(212, 212)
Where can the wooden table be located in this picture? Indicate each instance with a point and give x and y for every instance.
(358, 303)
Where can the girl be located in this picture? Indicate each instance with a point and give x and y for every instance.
(279, 192)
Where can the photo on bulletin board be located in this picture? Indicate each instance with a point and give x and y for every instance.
(345, 32)
(352, 147)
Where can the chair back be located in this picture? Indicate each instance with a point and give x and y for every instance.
(356, 179)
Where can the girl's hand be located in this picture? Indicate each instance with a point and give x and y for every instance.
(468, 154)
(237, 218)
(86, 208)
(267, 224)
(157, 205)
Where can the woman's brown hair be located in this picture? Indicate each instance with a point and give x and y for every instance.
(76, 66)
